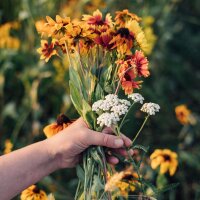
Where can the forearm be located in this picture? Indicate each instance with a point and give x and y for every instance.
(24, 167)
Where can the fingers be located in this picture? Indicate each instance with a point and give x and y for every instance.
(112, 160)
(107, 140)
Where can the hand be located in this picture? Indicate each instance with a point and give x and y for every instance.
(66, 147)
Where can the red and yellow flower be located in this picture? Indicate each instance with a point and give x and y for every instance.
(61, 123)
(166, 159)
(47, 50)
(97, 19)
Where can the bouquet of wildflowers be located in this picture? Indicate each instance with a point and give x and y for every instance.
(105, 56)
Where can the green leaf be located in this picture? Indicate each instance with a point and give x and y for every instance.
(168, 188)
(76, 97)
(80, 173)
(140, 147)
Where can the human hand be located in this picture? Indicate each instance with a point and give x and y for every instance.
(67, 146)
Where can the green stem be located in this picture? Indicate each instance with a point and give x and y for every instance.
(121, 124)
(136, 136)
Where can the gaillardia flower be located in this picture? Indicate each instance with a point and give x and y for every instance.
(47, 50)
(97, 19)
(62, 122)
(33, 193)
(123, 16)
(183, 114)
(166, 159)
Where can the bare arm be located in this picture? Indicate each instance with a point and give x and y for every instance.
(26, 166)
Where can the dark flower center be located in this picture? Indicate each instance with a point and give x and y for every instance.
(124, 32)
(127, 77)
(167, 157)
(36, 190)
(62, 119)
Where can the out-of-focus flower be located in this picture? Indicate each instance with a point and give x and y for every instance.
(116, 178)
(97, 19)
(62, 122)
(51, 197)
(148, 20)
(139, 35)
(47, 50)
(136, 97)
(8, 146)
(7, 41)
(124, 16)
(183, 114)
(166, 159)
(33, 193)
(150, 108)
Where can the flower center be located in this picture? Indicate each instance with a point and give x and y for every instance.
(124, 32)
(62, 119)
(167, 157)
(127, 77)
(36, 190)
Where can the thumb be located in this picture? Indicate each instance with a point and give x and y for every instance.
(103, 139)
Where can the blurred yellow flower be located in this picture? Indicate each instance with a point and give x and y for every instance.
(33, 193)
(183, 114)
(166, 159)
(8, 146)
(7, 41)
(148, 20)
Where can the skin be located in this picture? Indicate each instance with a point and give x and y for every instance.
(26, 166)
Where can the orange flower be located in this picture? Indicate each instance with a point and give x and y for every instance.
(123, 16)
(97, 19)
(57, 28)
(127, 76)
(141, 63)
(183, 114)
(47, 50)
(62, 122)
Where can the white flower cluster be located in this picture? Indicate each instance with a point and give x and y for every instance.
(136, 97)
(112, 108)
(150, 108)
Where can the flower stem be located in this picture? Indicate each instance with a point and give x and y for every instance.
(121, 124)
(136, 136)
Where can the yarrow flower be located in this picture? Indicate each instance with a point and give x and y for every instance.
(112, 108)
(108, 119)
(136, 97)
(150, 108)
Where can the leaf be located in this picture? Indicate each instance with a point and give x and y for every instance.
(168, 188)
(80, 173)
(76, 97)
(140, 147)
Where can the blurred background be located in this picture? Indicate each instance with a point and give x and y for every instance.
(33, 93)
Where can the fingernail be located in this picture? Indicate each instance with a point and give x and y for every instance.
(119, 142)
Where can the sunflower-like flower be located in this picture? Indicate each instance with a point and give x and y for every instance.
(61, 123)
(183, 114)
(127, 77)
(33, 193)
(47, 50)
(123, 16)
(166, 159)
(123, 40)
(97, 19)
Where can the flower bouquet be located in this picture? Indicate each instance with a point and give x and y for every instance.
(105, 56)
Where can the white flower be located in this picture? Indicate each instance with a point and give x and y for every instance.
(150, 108)
(107, 119)
(125, 102)
(136, 97)
(97, 105)
(120, 109)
